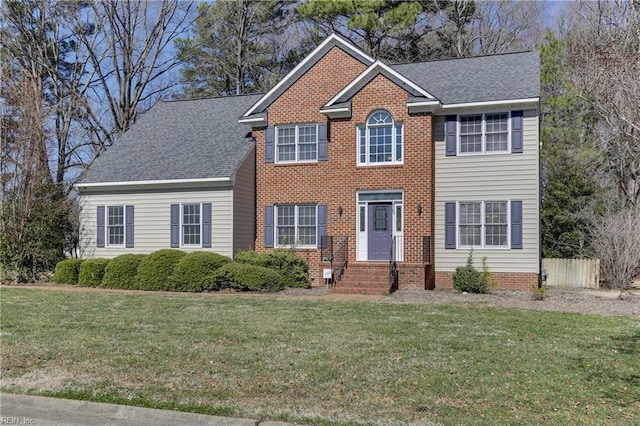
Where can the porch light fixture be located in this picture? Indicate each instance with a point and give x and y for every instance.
(419, 209)
(340, 211)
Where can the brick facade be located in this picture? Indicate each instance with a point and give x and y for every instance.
(335, 182)
(505, 280)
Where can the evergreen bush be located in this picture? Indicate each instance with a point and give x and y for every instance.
(194, 272)
(67, 271)
(122, 271)
(469, 279)
(155, 271)
(91, 272)
(246, 277)
(293, 268)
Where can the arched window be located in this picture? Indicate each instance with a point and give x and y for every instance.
(380, 141)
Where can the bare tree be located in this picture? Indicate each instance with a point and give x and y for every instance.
(604, 61)
(616, 242)
(127, 44)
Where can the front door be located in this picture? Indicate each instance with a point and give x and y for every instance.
(380, 231)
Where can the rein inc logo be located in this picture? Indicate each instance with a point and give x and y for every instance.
(16, 421)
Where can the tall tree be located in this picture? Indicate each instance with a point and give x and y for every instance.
(127, 44)
(604, 62)
(234, 49)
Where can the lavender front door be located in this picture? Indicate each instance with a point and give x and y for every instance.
(380, 231)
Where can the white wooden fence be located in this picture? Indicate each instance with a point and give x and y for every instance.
(583, 273)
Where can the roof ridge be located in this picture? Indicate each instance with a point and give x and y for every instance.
(430, 61)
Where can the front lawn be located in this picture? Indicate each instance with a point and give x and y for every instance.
(320, 362)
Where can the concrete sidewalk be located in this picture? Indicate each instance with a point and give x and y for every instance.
(38, 411)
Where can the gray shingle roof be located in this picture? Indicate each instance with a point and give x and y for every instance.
(195, 139)
(478, 79)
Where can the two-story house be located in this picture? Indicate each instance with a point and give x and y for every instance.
(403, 167)
(394, 171)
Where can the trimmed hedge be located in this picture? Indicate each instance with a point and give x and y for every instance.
(293, 269)
(91, 272)
(122, 271)
(246, 277)
(67, 271)
(155, 271)
(194, 272)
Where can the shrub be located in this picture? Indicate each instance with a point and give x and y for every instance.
(469, 279)
(246, 277)
(121, 272)
(293, 269)
(91, 272)
(154, 272)
(67, 271)
(194, 272)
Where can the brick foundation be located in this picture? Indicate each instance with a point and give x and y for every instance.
(505, 280)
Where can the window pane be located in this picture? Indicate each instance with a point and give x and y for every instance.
(286, 143)
(497, 132)
(286, 225)
(398, 142)
(362, 219)
(495, 223)
(380, 144)
(363, 144)
(307, 142)
(470, 221)
(398, 218)
(471, 133)
(191, 224)
(380, 118)
(115, 225)
(307, 225)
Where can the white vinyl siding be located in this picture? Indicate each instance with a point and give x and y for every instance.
(153, 220)
(472, 178)
(244, 206)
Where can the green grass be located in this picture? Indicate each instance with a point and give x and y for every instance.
(320, 362)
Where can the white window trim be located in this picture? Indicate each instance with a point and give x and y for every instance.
(484, 134)
(296, 225)
(365, 127)
(181, 236)
(297, 143)
(482, 245)
(124, 226)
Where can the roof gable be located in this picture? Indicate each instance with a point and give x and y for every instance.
(375, 69)
(307, 63)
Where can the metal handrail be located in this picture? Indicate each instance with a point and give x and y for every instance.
(393, 266)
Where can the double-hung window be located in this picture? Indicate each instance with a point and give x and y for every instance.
(483, 224)
(191, 225)
(380, 141)
(297, 142)
(484, 133)
(296, 225)
(115, 226)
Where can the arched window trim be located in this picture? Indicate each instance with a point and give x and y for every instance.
(373, 151)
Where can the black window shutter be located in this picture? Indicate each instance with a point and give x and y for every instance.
(322, 223)
(268, 226)
(516, 132)
(206, 225)
(269, 138)
(449, 225)
(322, 142)
(175, 225)
(516, 224)
(128, 221)
(451, 135)
(100, 226)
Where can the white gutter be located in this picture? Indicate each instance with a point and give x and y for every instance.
(489, 103)
(152, 182)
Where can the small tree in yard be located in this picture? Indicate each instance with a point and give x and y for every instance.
(615, 240)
